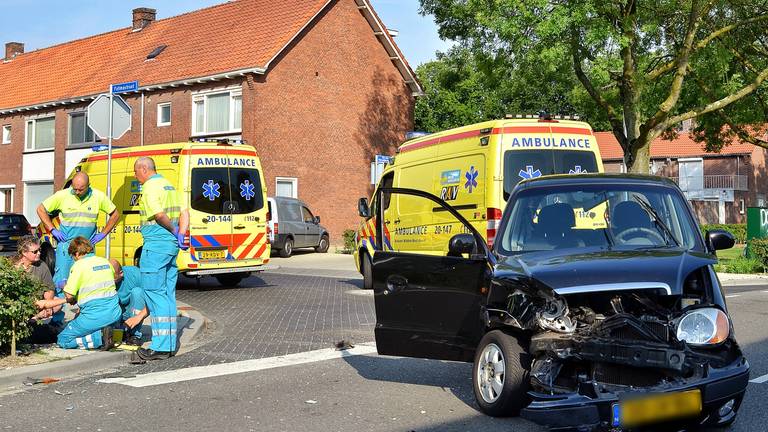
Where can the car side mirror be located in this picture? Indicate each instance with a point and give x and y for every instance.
(362, 208)
(461, 244)
(316, 220)
(719, 240)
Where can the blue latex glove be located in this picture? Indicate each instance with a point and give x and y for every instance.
(97, 237)
(58, 235)
(180, 240)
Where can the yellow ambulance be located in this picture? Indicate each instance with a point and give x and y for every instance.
(222, 186)
(474, 169)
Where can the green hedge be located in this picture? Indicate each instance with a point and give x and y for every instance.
(18, 292)
(739, 231)
(758, 248)
(349, 240)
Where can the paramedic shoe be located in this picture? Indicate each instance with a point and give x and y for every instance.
(132, 340)
(106, 339)
(148, 354)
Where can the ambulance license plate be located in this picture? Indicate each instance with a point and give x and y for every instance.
(215, 254)
(656, 408)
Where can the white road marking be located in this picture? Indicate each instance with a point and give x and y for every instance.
(760, 380)
(733, 295)
(200, 372)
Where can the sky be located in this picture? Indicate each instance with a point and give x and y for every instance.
(42, 23)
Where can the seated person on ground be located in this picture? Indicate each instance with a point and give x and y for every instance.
(131, 297)
(91, 284)
(45, 329)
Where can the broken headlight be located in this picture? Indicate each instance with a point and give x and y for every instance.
(704, 326)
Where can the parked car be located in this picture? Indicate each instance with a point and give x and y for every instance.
(12, 227)
(616, 323)
(292, 225)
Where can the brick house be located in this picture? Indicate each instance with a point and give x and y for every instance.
(720, 186)
(318, 87)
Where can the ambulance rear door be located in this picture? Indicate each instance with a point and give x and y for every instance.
(210, 207)
(248, 207)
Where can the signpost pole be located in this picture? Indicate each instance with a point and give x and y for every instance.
(109, 159)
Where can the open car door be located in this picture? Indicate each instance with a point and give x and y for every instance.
(427, 305)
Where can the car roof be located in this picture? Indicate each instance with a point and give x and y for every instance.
(596, 179)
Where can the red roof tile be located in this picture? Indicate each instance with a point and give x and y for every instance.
(234, 36)
(682, 146)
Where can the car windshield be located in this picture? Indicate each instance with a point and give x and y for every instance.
(8, 221)
(599, 216)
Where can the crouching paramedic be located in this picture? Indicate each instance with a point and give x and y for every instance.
(131, 296)
(91, 284)
(163, 225)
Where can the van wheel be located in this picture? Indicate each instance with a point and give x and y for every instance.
(322, 247)
(48, 256)
(231, 279)
(500, 379)
(287, 249)
(367, 268)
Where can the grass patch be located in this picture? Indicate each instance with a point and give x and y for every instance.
(733, 261)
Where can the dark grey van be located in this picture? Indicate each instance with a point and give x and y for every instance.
(292, 225)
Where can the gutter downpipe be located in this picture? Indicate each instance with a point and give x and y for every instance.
(141, 122)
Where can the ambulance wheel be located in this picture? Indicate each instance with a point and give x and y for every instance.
(322, 247)
(287, 249)
(48, 256)
(230, 279)
(367, 268)
(500, 378)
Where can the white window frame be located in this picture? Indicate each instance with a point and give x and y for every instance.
(234, 92)
(31, 139)
(6, 134)
(12, 189)
(26, 194)
(293, 180)
(70, 144)
(160, 107)
(742, 206)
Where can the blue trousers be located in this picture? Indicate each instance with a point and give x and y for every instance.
(63, 264)
(134, 306)
(84, 332)
(159, 274)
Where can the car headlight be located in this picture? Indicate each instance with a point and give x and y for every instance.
(705, 326)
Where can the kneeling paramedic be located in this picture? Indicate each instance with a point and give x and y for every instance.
(163, 225)
(131, 296)
(91, 284)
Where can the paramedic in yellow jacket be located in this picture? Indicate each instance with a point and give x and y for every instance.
(163, 225)
(91, 284)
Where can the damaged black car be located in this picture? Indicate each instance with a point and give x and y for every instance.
(597, 306)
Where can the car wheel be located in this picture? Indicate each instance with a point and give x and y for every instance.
(231, 279)
(287, 249)
(322, 247)
(367, 268)
(500, 375)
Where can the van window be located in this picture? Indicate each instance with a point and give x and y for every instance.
(210, 190)
(246, 184)
(308, 218)
(290, 211)
(523, 164)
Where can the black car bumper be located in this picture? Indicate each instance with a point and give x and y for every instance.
(581, 412)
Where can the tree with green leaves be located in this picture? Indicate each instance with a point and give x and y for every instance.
(18, 292)
(646, 66)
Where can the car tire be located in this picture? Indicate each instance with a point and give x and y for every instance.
(231, 279)
(500, 375)
(322, 247)
(367, 270)
(287, 249)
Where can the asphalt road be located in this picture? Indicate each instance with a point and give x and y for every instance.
(277, 315)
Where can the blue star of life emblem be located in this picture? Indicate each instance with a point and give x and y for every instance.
(529, 173)
(471, 177)
(577, 170)
(247, 190)
(211, 190)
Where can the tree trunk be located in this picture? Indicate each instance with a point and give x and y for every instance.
(639, 156)
(13, 338)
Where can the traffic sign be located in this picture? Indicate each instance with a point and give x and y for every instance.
(124, 87)
(99, 116)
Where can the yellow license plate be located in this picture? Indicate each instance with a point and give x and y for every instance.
(212, 254)
(657, 408)
(14, 237)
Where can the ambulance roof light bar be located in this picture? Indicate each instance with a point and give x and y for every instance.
(543, 115)
(219, 141)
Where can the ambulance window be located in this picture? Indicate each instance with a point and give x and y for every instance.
(246, 190)
(386, 182)
(210, 190)
(525, 164)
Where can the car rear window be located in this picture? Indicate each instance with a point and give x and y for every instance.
(11, 221)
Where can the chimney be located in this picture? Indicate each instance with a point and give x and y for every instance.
(12, 49)
(143, 17)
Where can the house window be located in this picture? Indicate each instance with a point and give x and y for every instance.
(691, 174)
(79, 131)
(164, 114)
(287, 187)
(34, 194)
(41, 133)
(218, 112)
(7, 134)
(741, 206)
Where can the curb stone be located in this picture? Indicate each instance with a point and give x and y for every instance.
(191, 323)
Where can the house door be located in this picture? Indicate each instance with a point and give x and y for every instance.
(691, 175)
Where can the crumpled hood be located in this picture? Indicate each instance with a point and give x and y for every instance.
(564, 269)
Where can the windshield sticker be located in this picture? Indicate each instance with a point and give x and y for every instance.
(577, 170)
(450, 177)
(211, 190)
(471, 177)
(135, 186)
(529, 173)
(247, 190)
